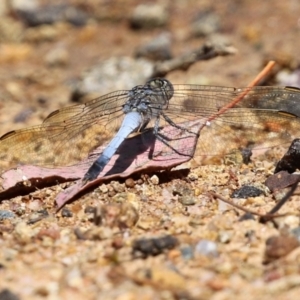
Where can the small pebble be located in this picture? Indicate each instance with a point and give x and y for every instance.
(35, 205)
(165, 277)
(57, 57)
(207, 248)
(207, 22)
(288, 221)
(103, 188)
(234, 157)
(279, 246)
(285, 77)
(24, 232)
(52, 13)
(89, 210)
(25, 113)
(97, 216)
(187, 252)
(154, 180)
(193, 176)
(140, 181)
(6, 214)
(118, 188)
(149, 16)
(246, 191)
(128, 216)
(111, 193)
(296, 232)
(120, 198)
(246, 216)
(246, 154)
(23, 5)
(280, 194)
(117, 243)
(37, 216)
(197, 192)
(154, 246)
(185, 194)
(66, 213)
(115, 73)
(133, 200)
(129, 182)
(158, 49)
(225, 236)
(187, 200)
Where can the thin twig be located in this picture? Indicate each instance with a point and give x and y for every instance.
(246, 210)
(237, 99)
(207, 51)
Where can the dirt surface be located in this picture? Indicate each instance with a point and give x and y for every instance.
(154, 235)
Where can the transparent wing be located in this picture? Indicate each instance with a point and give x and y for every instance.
(67, 135)
(263, 116)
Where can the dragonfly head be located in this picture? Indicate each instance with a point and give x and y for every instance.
(161, 84)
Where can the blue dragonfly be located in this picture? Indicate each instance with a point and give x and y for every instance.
(265, 115)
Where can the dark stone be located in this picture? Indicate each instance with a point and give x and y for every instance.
(66, 213)
(50, 14)
(246, 216)
(158, 49)
(291, 160)
(6, 294)
(246, 154)
(154, 246)
(246, 191)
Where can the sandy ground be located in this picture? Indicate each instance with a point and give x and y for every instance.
(197, 247)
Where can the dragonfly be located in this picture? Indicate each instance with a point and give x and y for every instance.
(264, 115)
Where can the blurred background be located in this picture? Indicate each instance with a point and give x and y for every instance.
(53, 54)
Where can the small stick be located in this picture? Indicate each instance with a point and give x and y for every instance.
(237, 99)
(246, 210)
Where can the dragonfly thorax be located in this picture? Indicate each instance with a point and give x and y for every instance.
(149, 99)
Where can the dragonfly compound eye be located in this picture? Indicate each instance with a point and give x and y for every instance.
(163, 85)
